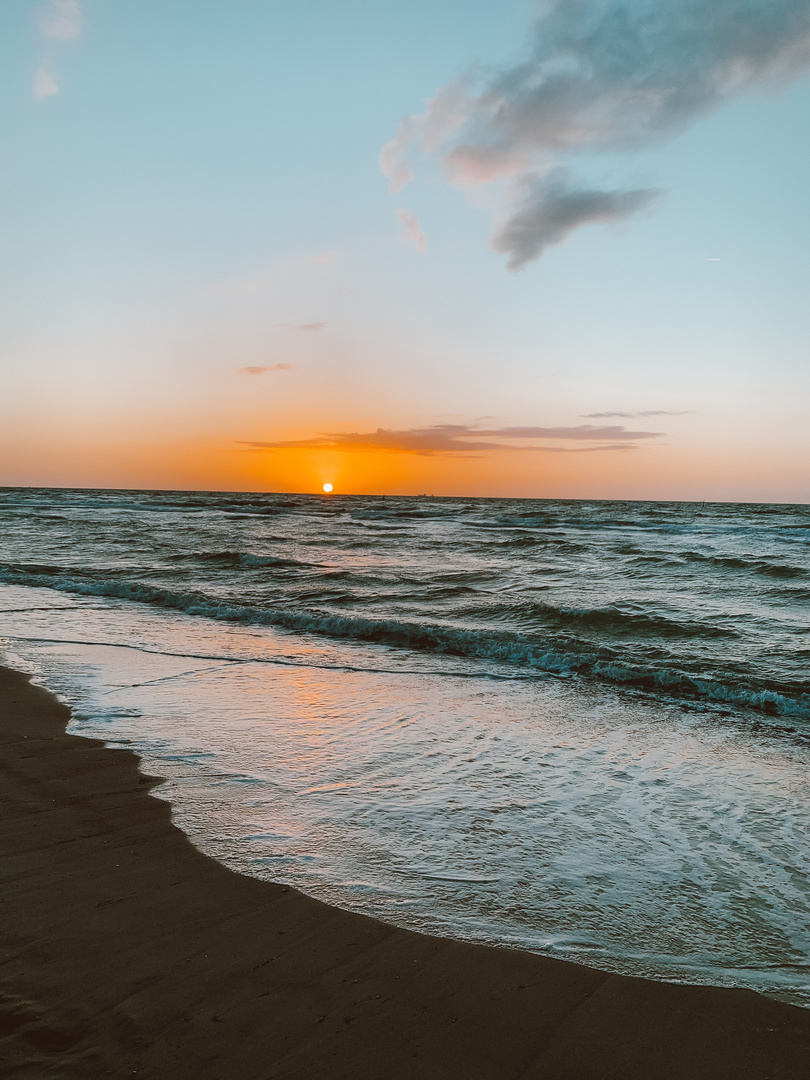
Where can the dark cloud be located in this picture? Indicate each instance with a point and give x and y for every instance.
(582, 431)
(630, 415)
(607, 415)
(256, 369)
(553, 208)
(665, 412)
(600, 76)
(464, 439)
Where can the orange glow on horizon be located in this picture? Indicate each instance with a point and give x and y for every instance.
(58, 454)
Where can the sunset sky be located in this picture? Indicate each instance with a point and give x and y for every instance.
(479, 248)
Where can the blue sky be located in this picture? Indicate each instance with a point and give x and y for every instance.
(193, 191)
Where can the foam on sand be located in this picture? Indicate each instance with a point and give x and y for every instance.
(128, 952)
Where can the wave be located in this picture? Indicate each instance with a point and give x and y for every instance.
(242, 558)
(610, 620)
(745, 563)
(526, 520)
(398, 513)
(562, 658)
(432, 593)
(164, 502)
(614, 620)
(559, 544)
(748, 563)
(791, 594)
(544, 519)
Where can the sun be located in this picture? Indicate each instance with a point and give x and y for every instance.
(327, 488)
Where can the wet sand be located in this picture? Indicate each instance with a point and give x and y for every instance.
(126, 952)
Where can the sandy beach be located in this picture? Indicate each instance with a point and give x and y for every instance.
(126, 952)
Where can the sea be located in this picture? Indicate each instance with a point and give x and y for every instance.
(580, 728)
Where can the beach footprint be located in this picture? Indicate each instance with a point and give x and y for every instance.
(33, 1041)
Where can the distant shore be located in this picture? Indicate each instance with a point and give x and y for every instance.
(126, 952)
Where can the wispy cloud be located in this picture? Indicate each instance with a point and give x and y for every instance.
(412, 229)
(582, 431)
(63, 21)
(465, 439)
(304, 326)
(45, 85)
(257, 369)
(600, 76)
(631, 415)
(444, 113)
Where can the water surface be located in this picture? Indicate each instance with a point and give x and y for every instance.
(576, 727)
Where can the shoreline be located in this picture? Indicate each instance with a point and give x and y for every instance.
(126, 951)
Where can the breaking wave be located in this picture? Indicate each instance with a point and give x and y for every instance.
(566, 656)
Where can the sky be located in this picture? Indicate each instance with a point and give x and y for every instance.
(530, 249)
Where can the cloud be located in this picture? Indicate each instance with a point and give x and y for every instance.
(413, 230)
(630, 415)
(443, 113)
(44, 85)
(304, 326)
(63, 21)
(583, 431)
(465, 439)
(553, 208)
(600, 76)
(260, 370)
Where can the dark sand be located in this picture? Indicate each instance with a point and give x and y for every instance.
(125, 952)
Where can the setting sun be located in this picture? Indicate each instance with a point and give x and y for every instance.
(535, 302)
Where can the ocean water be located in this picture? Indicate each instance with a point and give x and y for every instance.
(580, 728)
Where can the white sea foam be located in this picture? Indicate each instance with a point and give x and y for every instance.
(405, 709)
